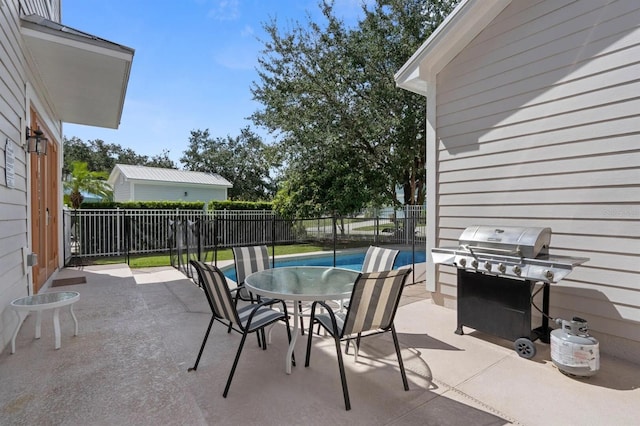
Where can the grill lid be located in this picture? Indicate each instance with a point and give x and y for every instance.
(507, 240)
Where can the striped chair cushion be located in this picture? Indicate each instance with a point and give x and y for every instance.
(262, 317)
(325, 319)
(374, 301)
(249, 260)
(220, 299)
(379, 259)
(222, 303)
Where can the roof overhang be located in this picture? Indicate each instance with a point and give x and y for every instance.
(456, 31)
(85, 77)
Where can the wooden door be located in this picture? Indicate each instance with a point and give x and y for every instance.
(44, 208)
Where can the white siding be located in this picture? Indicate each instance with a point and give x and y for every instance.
(13, 201)
(122, 191)
(176, 192)
(538, 124)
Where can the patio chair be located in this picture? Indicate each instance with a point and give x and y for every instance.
(376, 259)
(372, 309)
(247, 319)
(248, 260)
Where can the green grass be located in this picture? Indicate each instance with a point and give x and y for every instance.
(162, 259)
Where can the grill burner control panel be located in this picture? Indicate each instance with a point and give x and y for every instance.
(546, 268)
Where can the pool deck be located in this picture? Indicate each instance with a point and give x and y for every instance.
(141, 329)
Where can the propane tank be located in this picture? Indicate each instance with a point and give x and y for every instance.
(573, 351)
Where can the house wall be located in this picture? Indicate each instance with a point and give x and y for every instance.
(16, 97)
(176, 192)
(538, 123)
(122, 190)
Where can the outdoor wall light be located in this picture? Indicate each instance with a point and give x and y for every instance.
(35, 142)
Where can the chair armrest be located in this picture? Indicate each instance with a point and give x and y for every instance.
(332, 315)
(265, 304)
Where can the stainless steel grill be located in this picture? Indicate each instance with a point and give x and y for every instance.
(516, 252)
(499, 270)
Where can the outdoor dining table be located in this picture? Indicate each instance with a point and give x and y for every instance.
(302, 283)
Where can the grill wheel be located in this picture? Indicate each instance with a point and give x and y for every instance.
(525, 348)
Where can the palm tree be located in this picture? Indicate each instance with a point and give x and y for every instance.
(82, 179)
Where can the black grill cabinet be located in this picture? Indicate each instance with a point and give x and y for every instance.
(501, 307)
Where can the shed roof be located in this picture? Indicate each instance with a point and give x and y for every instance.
(157, 174)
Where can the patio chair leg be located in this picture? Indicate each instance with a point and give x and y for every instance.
(400, 363)
(235, 364)
(204, 342)
(301, 320)
(343, 378)
(308, 355)
(264, 339)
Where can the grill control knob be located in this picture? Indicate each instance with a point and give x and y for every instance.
(517, 270)
(487, 266)
(501, 268)
(474, 263)
(548, 275)
(463, 262)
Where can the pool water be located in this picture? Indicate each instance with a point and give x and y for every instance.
(352, 261)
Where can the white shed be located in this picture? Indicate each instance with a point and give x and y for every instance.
(141, 183)
(533, 119)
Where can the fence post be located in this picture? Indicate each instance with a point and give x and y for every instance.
(127, 235)
(335, 237)
(199, 239)
(376, 236)
(273, 238)
(215, 240)
(118, 230)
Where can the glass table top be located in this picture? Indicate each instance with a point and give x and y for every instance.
(46, 298)
(303, 282)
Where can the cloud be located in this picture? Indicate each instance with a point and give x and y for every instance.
(247, 31)
(225, 10)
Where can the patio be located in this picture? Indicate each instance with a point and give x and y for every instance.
(140, 330)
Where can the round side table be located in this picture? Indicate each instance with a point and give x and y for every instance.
(41, 302)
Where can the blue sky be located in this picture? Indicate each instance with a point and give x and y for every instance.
(193, 66)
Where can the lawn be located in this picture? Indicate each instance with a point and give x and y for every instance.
(163, 259)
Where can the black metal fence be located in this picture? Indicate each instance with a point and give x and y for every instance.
(197, 234)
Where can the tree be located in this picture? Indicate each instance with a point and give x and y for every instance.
(81, 179)
(330, 92)
(162, 160)
(102, 157)
(243, 160)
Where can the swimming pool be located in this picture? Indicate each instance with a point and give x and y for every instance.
(349, 260)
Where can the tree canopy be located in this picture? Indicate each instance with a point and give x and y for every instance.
(329, 92)
(244, 160)
(100, 156)
(345, 137)
(80, 180)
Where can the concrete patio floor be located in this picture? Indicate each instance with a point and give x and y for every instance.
(140, 330)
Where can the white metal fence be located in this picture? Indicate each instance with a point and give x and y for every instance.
(123, 232)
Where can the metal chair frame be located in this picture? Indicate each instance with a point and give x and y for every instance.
(366, 315)
(243, 320)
